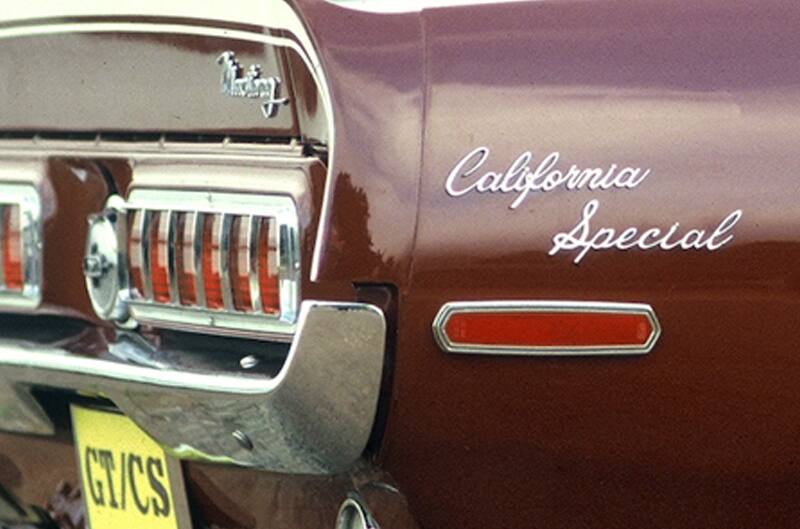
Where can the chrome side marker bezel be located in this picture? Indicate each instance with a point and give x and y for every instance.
(571, 307)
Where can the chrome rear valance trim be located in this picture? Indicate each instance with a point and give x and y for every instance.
(314, 417)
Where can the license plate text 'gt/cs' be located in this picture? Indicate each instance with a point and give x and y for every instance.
(128, 481)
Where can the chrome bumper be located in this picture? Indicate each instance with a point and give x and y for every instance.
(313, 417)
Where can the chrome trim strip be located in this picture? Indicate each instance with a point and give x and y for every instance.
(136, 249)
(216, 321)
(2, 248)
(172, 274)
(253, 233)
(448, 309)
(225, 222)
(393, 7)
(242, 11)
(288, 254)
(313, 417)
(197, 259)
(36, 147)
(144, 249)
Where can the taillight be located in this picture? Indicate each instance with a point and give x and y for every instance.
(240, 262)
(20, 246)
(159, 255)
(12, 249)
(185, 256)
(213, 260)
(268, 267)
(210, 252)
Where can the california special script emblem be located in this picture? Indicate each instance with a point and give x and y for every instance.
(251, 85)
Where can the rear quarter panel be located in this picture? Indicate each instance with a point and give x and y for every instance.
(704, 429)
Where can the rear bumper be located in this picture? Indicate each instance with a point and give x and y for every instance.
(314, 416)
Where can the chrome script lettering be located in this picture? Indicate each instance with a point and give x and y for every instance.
(584, 240)
(521, 179)
(524, 176)
(236, 83)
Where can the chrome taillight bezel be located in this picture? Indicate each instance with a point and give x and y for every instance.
(26, 197)
(226, 320)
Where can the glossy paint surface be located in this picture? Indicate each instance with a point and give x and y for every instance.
(136, 82)
(375, 71)
(700, 432)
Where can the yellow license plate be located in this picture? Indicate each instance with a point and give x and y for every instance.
(128, 480)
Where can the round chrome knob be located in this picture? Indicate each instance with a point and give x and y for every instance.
(104, 265)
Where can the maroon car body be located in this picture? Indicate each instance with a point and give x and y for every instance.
(703, 96)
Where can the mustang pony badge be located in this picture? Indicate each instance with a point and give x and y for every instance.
(251, 85)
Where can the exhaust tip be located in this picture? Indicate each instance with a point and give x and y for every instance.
(353, 515)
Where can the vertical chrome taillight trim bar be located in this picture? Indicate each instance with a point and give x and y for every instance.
(225, 223)
(171, 238)
(30, 240)
(2, 247)
(135, 249)
(288, 267)
(197, 259)
(253, 233)
(146, 217)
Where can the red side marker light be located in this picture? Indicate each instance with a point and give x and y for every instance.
(546, 328)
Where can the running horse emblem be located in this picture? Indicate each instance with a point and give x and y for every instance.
(251, 85)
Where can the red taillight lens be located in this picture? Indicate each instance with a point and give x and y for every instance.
(212, 226)
(184, 258)
(159, 265)
(240, 263)
(268, 278)
(12, 249)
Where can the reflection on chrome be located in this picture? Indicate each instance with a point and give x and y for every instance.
(311, 412)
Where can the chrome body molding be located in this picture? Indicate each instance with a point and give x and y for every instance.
(313, 416)
(389, 7)
(449, 309)
(160, 149)
(24, 195)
